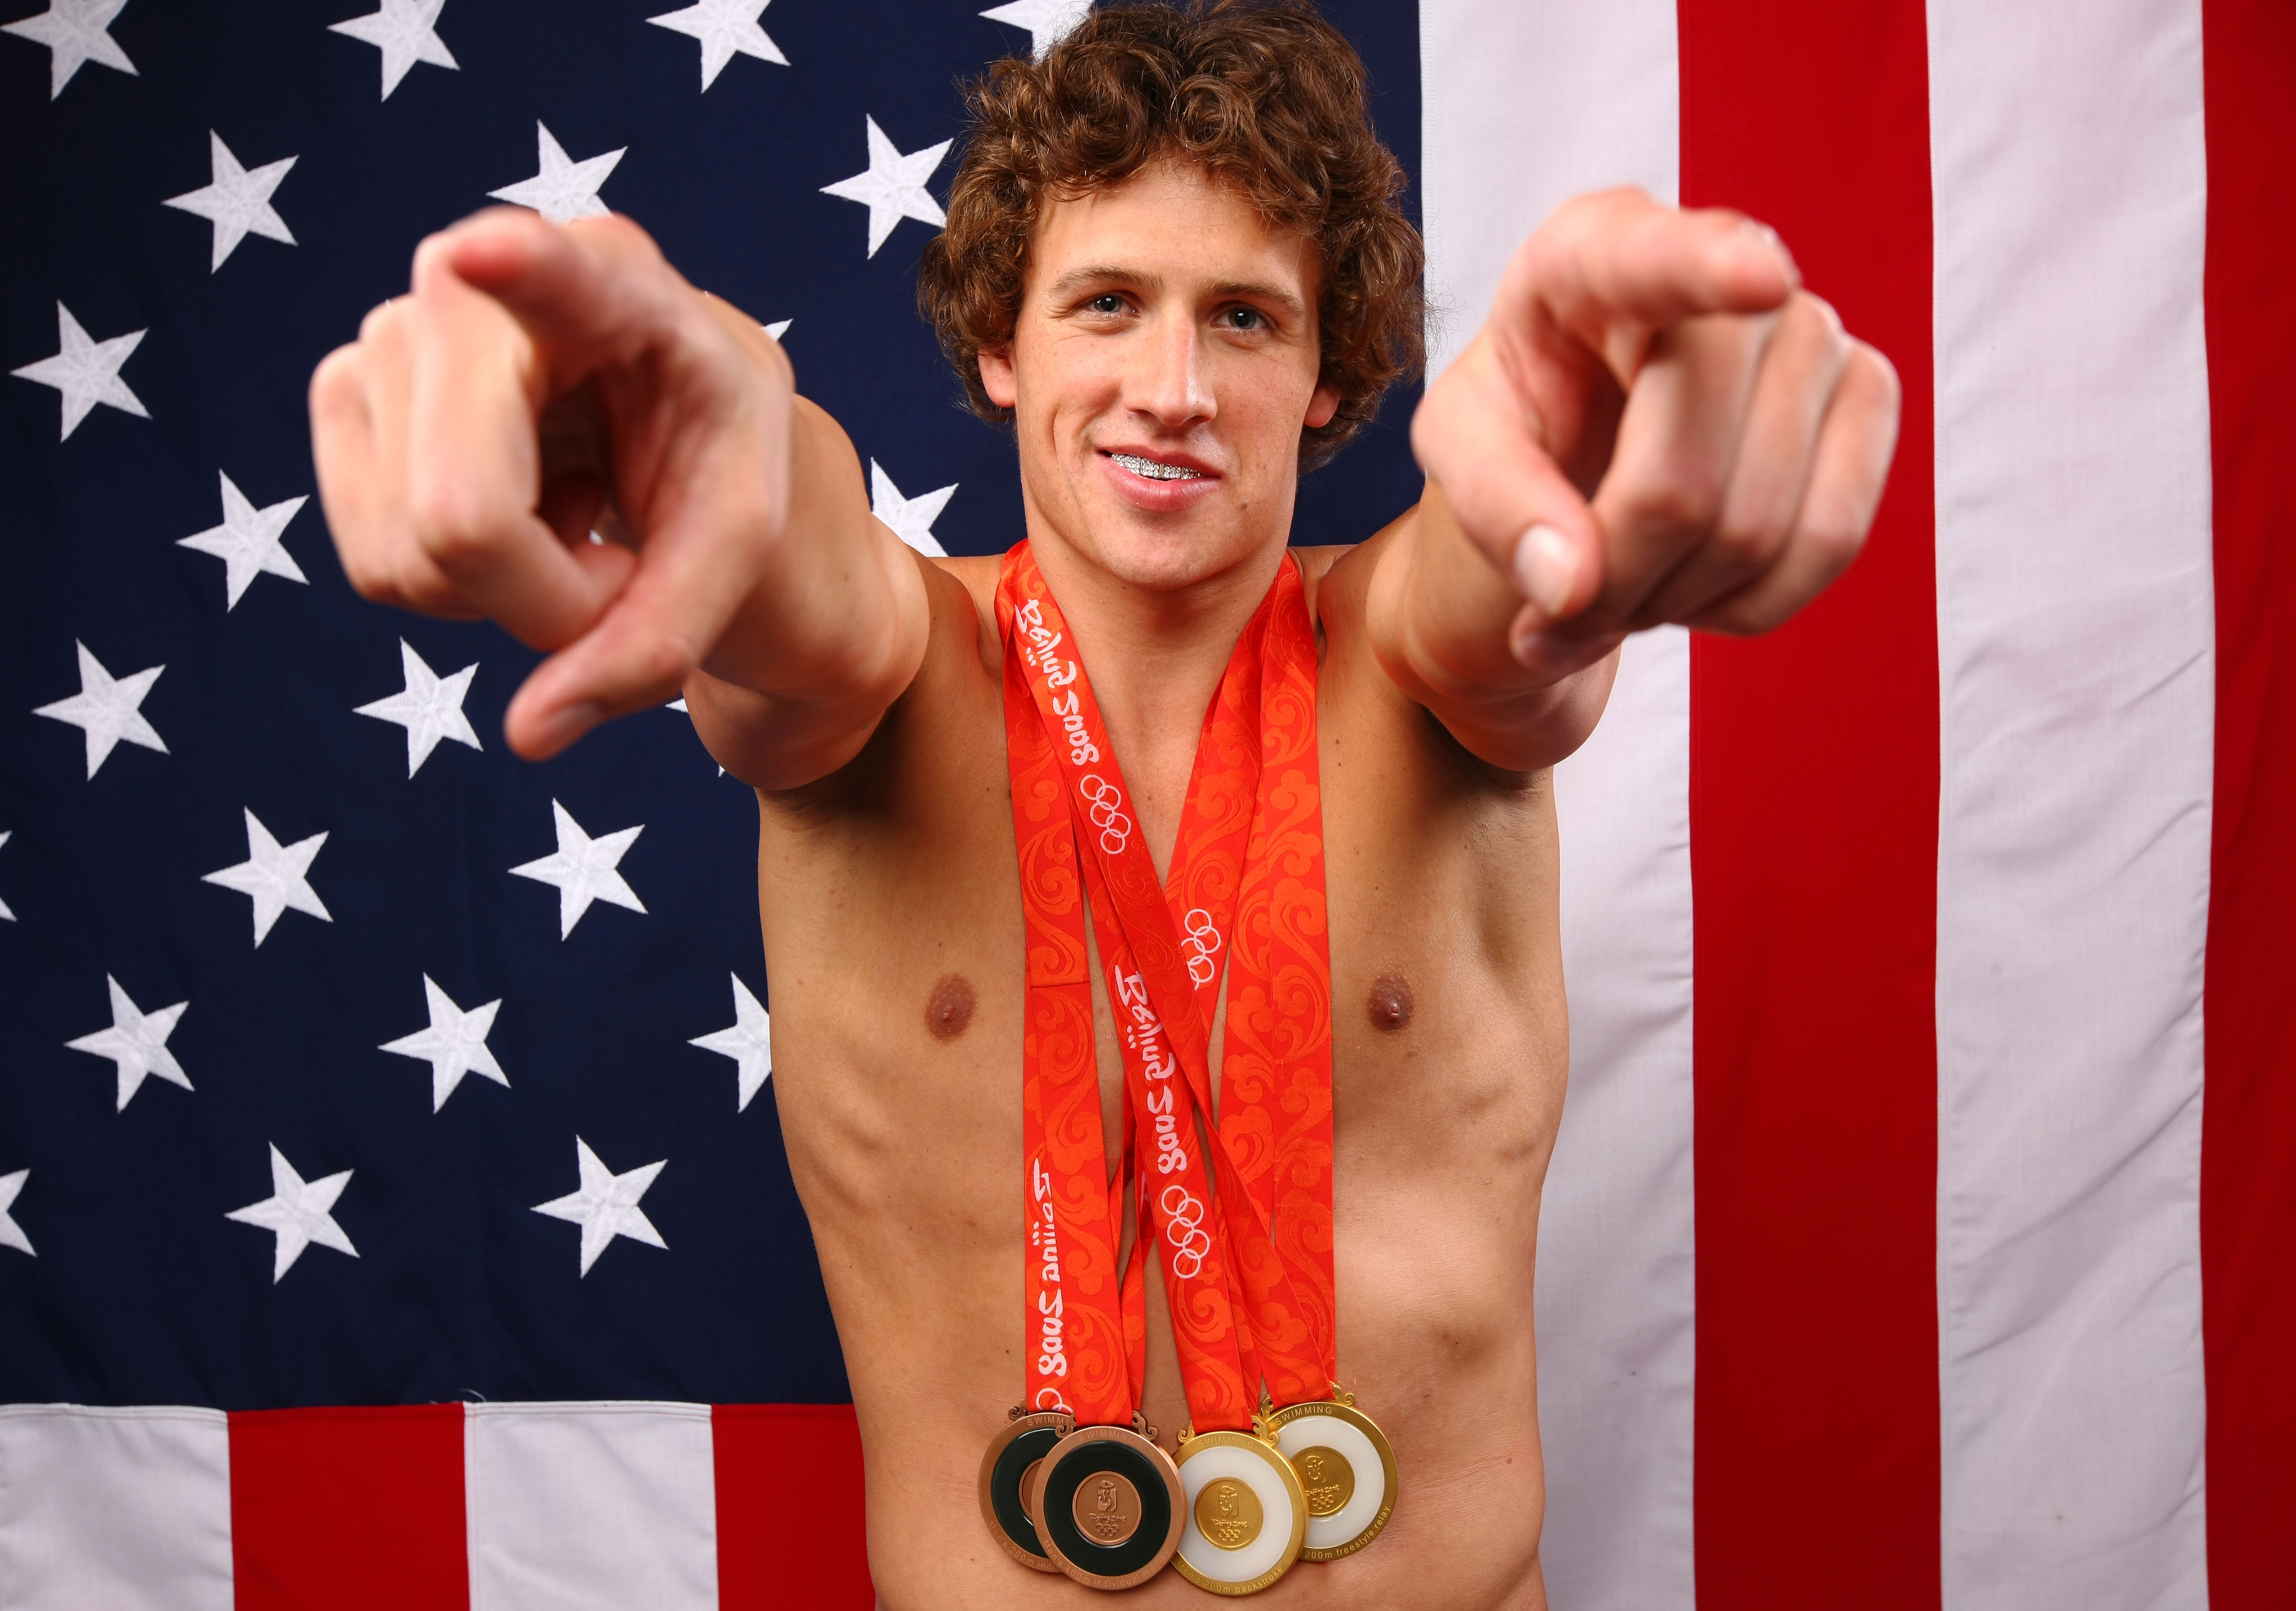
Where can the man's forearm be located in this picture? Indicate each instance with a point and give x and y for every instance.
(831, 634)
(1439, 615)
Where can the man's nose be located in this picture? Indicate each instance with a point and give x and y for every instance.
(1170, 384)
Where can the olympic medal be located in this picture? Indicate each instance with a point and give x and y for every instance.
(1247, 1516)
(1013, 1456)
(1347, 1469)
(1107, 1507)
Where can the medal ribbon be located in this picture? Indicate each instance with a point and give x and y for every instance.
(1250, 834)
(1086, 1349)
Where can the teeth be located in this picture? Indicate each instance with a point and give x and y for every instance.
(1154, 471)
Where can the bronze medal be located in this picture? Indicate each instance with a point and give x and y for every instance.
(1107, 1506)
(1346, 1469)
(1247, 1516)
(1014, 1457)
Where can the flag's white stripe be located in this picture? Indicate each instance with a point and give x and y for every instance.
(591, 1507)
(1528, 102)
(2076, 667)
(120, 1510)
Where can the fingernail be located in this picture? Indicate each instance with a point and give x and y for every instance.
(1546, 566)
(1532, 646)
(568, 723)
(1771, 241)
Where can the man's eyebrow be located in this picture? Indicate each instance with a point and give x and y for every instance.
(1101, 274)
(1263, 291)
(1098, 273)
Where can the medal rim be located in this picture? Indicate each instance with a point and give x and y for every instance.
(1364, 1424)
(1273, 1457)
(1006, 1435)
(1162, 1462)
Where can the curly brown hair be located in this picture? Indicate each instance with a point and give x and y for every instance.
(1267, 96)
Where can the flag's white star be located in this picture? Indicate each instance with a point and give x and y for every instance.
(4, 912)
(403, 30)
(298, 1213)
(249, 542)
(583, 869)
(1048, 22)
(137, 1043)
(911, 518)
(564, 189)
(430, 708)
(12, 1234)
(75, 32)
(236, 200)
(725, 28)
(607, 1205)
(86, 372)
(454, 1045)
(105, 708)
(273, 876)
(894, 186)
(749, 1043)
(779, 328)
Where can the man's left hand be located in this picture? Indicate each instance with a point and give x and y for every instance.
(1658, 424)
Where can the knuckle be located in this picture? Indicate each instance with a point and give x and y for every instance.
(660, 659)
(1832, 543)
(370, 578)
(1687, 498)
(1747, 544)
(1874, 367)
(452, 526)
(383, 321)
(336, 380)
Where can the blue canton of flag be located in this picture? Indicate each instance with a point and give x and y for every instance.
(345, 1059)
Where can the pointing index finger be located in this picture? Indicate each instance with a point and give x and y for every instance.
(1615, 268)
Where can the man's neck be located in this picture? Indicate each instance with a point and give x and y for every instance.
(1155, 657)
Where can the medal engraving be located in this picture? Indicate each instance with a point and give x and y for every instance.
(1107, 1509)
(1329, 1480)
(1347, 1469)
(1229, 1514)
(1107, 1504)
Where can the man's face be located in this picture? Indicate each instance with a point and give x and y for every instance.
(1163, 365)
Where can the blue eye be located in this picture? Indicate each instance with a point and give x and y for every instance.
(1243, 318)
(1109, 303)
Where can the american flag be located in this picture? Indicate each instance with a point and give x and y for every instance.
(393, 1188)
(1918, 1233)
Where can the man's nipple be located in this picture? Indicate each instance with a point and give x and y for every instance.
(1390, 1003)
(949, 1009)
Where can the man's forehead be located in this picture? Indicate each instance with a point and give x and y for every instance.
(1171, 222)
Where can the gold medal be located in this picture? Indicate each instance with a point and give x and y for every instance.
(1247, 1516)
(1346, 1469)
(1014, 1457)
(1107, 1506)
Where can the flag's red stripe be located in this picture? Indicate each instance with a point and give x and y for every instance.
(1814, 802)
(2248, 1142)
(354, 1510)
(792, 1532)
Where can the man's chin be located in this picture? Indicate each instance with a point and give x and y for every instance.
(1171, 554)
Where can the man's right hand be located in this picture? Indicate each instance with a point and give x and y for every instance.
(536, 373)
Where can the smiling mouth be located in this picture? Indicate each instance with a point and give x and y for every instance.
(1153, 470)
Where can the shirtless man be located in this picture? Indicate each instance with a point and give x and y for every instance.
(1657, 424)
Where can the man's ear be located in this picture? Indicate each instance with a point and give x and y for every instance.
(996, 377)
(1321, 407)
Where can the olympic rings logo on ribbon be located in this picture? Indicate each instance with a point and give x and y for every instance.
(1200, 941)
(1104, 804)
(1184, 1230)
